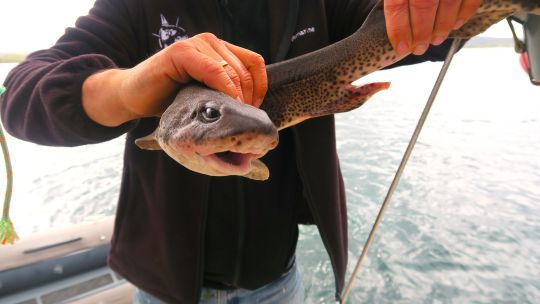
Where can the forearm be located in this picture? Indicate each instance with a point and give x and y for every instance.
(101, 98)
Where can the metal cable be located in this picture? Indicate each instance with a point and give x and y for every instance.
(408, 151)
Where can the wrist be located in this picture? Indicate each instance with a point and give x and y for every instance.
(102, 98)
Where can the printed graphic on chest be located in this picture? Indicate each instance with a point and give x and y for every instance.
(169, 34)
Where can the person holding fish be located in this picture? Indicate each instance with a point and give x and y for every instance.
(184, 237)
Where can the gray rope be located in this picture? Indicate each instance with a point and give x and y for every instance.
(401, 167)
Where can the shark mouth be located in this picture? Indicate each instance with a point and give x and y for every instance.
(233, 158)
(223, 156)
(231, 163)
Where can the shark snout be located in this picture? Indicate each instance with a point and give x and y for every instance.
(252, 128)
(242, 117)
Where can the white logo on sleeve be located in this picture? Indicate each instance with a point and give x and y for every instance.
(169, 34)
(303, 32)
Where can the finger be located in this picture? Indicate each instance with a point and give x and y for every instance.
(445, 20)
(254, 63)
(190, 63)
(466, 11)
(204, 44)
(398, 27)
(245, 80)
(423, 14)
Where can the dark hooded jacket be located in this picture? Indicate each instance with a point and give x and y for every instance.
(158, 241)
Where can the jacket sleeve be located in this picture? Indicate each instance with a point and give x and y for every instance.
(42, 103)
(346, 16)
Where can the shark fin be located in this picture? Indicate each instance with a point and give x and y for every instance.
(148, 142)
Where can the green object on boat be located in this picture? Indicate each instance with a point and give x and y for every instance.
(7, 232)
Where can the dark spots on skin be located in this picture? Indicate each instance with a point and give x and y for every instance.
(233, 138)
(329, 86)
(193, 115)
(239, 143)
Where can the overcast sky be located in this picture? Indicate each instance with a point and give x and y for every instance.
(28, 25)
(25, 26)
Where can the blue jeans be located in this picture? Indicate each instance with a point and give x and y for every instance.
(288, 289)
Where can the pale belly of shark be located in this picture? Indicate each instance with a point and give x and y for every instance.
(209, 132)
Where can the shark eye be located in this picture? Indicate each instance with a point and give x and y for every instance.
(210, 114)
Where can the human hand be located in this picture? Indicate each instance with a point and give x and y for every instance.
(413, 25)
(115, 96)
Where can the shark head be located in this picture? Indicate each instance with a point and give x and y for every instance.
(211, 133)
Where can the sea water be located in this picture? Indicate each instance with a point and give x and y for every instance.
(463, 225)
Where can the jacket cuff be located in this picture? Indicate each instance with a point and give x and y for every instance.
(64, 92)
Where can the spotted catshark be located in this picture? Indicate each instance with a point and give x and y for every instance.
(211, 133)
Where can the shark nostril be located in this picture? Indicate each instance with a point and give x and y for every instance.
(210, 114)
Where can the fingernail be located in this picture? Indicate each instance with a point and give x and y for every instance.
(459, 24)
(402, 48)
(437, 40)
(420, 49)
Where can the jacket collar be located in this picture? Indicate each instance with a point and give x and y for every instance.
(283, 17)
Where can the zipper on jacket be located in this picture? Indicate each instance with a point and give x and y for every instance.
(241, 229)
(220, 32)
(200, 265)
(290, 26)
(309, 199)
(224, 14)
(241, 212)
